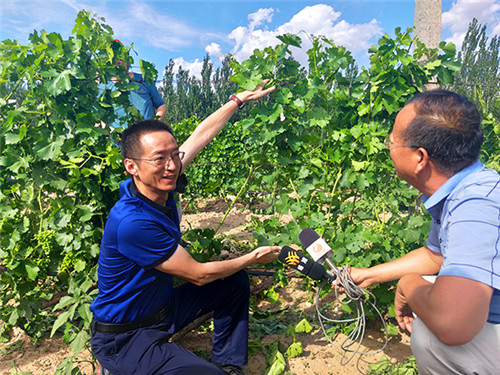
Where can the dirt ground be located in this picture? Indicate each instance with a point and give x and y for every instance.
(319, 357)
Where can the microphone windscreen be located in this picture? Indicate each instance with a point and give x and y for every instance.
(317, 271)
(295, 259)
(314, 244)
(308, 236)
(284, 254)
(301, 263)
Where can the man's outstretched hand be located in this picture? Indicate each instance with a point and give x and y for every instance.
(257, 93)
(266, 254)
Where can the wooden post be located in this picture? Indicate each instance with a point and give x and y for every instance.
(427, 27)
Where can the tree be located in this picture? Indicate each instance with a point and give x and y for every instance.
(206, 86)
(222, 84)
(168, 93)
(479, 74)
(186, 96)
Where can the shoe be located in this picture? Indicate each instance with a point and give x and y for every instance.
(230, 369)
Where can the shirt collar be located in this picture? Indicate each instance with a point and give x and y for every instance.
(138, 78)
(163, 209)
(450, 184)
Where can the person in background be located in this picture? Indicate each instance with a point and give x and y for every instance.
(137, 309)
(453, 319)
(144, 97)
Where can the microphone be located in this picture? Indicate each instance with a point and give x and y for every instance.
(317, 248)
(303, 264)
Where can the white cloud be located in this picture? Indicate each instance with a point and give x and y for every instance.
(260, 17)
(194, 67)
(461, 13)
(246, 42)
(215, 51)
(315, 20)
(351, 36)
(496, 29)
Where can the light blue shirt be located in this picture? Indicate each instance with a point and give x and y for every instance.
(465, 228)
(144, 97)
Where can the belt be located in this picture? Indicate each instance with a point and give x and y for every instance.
(130, 326)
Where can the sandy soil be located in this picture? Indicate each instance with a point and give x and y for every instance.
(320, 357)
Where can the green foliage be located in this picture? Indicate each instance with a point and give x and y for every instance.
(479, 76)
(187, 96)
(385, 367)
(324, 131)
(271, 322)
(490, 154)
(313, 149)
(59, 174)
(212, 173)
(203, 245)
(303, 326)
(275, 359)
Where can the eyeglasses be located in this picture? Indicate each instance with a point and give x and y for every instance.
(162, 161)
(388, 144)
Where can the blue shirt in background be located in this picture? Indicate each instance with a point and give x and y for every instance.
(145, 98)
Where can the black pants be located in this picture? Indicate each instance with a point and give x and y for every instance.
(147, 350)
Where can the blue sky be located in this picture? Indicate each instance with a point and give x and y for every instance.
(186, 30)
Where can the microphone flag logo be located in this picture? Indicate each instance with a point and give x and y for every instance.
(317, 248)
(292, 259)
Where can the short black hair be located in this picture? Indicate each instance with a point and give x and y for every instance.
(448, 126)
(130, 143)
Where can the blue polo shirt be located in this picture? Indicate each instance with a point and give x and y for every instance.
(138, 236)
(465, 228)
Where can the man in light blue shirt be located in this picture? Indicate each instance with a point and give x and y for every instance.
(464, 214)
(147, 99)
(454, 319)
(142, 96)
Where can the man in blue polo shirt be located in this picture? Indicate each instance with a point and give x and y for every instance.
(137, 309)
(454, 317)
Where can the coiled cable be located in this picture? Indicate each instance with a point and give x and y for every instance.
(358, 297)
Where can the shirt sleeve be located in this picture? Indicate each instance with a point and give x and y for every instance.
(433, 238)
(145, 242)
(473, 243)
(156, 98)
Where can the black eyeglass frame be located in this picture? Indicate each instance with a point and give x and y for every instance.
(162, 161)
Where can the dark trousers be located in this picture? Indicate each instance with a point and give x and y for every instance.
(147, 350)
